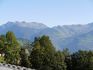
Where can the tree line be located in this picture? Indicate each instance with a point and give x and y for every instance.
(43, 55)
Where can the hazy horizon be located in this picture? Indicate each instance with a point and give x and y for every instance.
(51, 13)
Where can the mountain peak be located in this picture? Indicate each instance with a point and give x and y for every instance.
(34, 25)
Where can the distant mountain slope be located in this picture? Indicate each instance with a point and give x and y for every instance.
(73, 37)
(84, 41)
(23, 29)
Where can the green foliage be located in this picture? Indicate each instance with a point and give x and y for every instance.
(36, 55)
(11, 38)
(10, 47)
(60, 61)
(2, 60)
(24, 58)
(44, 56)
(2, 42)
(82, 60)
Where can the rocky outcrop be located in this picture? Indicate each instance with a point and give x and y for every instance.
(4, 66)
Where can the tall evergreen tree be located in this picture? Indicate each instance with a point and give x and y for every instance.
(36, 55)
(44, 56)
(12, 49)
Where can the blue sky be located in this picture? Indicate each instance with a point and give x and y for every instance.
(49, 12)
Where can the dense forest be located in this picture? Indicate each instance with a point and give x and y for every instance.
(42, 55)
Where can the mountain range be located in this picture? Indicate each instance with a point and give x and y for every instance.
(73, 37)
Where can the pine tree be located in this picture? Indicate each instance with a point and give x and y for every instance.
(12, 49)
(44, 56)
(36, 55)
